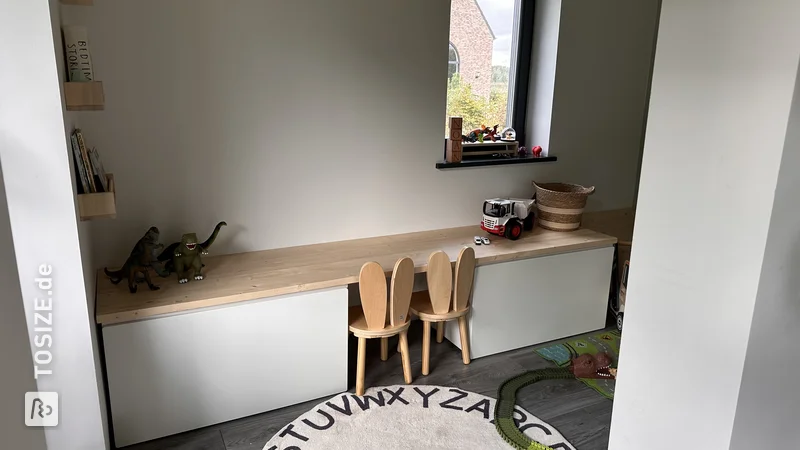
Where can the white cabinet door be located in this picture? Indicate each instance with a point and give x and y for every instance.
(176, 373)
(531, 301)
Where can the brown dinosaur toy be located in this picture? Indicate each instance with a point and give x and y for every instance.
(141, 258)
(491, 133)
(593, 366)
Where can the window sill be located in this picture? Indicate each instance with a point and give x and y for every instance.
(494, 162)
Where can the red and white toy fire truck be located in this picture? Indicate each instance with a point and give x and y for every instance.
(508, 216)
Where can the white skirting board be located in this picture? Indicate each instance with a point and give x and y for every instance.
(531, 301)
(172, 374)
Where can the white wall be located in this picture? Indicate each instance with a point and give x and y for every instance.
(769, 401)
(717, 122)
(15, 352)
(248, 114)
(39, 191)
(605, 54)
(71, 122)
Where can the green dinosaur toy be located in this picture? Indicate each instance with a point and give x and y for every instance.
(185, 256)
(140, 259)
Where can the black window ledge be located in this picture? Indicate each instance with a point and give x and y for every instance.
(494, 162)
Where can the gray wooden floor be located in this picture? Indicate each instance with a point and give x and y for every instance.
(582, 415)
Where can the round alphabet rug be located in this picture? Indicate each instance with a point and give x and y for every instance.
(407, 417)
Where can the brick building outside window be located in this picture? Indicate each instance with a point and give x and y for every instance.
(477, 87)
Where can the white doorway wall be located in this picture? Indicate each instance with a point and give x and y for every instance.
(41, 214)
(724, 77)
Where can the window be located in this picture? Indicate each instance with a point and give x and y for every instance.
(489, 52)
(493, 209)
(452, 62)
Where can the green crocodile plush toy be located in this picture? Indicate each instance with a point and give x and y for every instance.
(184, 257)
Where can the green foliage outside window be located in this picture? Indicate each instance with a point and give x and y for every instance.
(474, 109)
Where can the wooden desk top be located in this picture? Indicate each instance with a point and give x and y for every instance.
(254, 275)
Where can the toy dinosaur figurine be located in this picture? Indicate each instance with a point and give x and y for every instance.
(480, 134)
(140, 259)
(583, 366)
(491, 133)
(185, 256)
(592, 366)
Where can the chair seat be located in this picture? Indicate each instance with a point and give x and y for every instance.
(421, 307)
(358, 325)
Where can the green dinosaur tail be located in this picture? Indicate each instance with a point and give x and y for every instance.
(213, 237)
(507, 398)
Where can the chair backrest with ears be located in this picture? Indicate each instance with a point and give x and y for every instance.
(372, 288)
(465, 274)
(401, 290)
(440, 281)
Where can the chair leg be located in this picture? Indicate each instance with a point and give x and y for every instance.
(440, 332)
(462, 326)
(426, 346)
(405, 356)
(362, 360)
(384, 349)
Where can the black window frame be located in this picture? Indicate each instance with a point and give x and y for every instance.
(522, 75)
(523, 69)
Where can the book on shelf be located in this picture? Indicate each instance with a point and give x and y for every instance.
(78, 56)
(89, 171)
(85, 158)
(80, 169)
(98, 171)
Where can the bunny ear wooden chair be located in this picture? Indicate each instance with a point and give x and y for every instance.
(368, 321)
(437, 305)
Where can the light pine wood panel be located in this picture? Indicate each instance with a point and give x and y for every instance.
(422, 308)
(465, 274)
(372, 287)
(440, 282)
(358, 325)
(84, 96)
(402, 288)
(252, 275)
(100, 205)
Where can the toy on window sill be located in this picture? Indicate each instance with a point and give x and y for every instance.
(508, 217)
(491, 133)
(537, 151)
(480, 134)
(184, 257)
(141, 258)
(522, 152)
(508, 135)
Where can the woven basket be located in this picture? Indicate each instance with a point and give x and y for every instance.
(560, 205)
